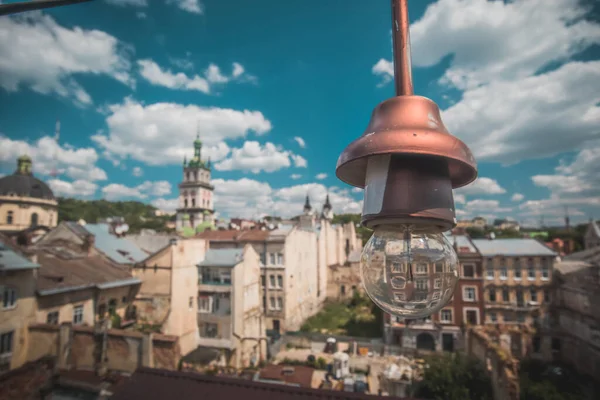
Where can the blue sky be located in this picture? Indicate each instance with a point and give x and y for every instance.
(277, 90)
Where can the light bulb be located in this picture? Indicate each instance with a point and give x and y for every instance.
(409, 272)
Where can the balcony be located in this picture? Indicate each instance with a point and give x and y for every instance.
(218, 343)
(214, 286)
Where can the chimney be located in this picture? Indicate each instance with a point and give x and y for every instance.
(89, 243)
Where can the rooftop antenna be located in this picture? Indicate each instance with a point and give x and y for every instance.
(54, 171)
(567, 219)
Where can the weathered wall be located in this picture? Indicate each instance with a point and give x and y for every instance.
(26, 381)
(81, 347)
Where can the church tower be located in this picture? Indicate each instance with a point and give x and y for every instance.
(195, 212)
(327, 210)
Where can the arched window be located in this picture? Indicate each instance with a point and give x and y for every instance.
(34, 219)
(9, 218)
(185, 203)
(195, 176)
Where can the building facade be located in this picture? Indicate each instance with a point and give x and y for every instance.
(26, 201)
(169, 291)
(17, 304)
(195, 211)
(571, 333)
(592, 235)
(444, 330)
(517, 279)
(230, 315)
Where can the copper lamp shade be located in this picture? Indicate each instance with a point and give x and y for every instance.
(406, 159)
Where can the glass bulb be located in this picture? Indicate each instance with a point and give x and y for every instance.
(407, 272)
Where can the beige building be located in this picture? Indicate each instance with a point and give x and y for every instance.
(517, 276)
(230, 315)
(344, 280)
(592, 235)
(289, 276)
(17, 304)
(571, 333)
(168, 294)
(26, 201)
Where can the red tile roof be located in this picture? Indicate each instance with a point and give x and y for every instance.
(151, 384)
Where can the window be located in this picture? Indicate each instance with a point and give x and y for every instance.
(52, 318)
(193, 202)
(210, 330)
(185, 203)
(9, 218)
(545, 273)
(505, 295)
(517, 273)
(397, 268)
(343, 290)
(530, 273)
(6, 343)
(9, 297)
(446, 316)
(493, 317)
(492, 295)
(490, 273)
(112, 306)
(437, 283)
(469, 294)
(421, 284)
(204, 304)
(279, 281)
(439, 267)
(507, 317)
(521, 318)
(546, 296)
(279, 258)
(191, 302)
(78, 315)
(472, 317)
(533, 294)
(400, 296)
(263, 280)
(272, 303)
(124, 300)
(34, 219)
(279, 303)
(503, 273)
(272, 281)
(469, 271)
(226, 277)
(421, 269)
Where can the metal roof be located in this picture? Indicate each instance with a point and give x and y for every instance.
(462, 241)
(118, 249)
(12, 261)
(512, 247)
(223, 258)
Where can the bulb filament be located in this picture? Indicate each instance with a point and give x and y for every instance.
(409, 267)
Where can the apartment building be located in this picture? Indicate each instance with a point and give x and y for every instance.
(517, 279)
(444, 329)
(169, 290)
(17, 304)
(230, 315)
(289, 273)
(571, 333)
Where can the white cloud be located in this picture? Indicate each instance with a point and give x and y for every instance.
(295, 176)
(191, 6)
(48, 157)
(159, 76)
(116, 191)
(481, 186)
(459, 198)
(162, 133)
(168, 205)
(42, 55)
(249, 198)
(78, 188)
(256, 158)
(321, 176)
(517, 197)
(137, 171)
(357, 190)
(133, 3)
(485, 205)
(299, 161)
(300, 141)
(384, 69)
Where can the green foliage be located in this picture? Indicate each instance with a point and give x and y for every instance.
(115, 320)
(360, 317)
(364, 233)
(137, 215)
(454, 377)
(540, 381)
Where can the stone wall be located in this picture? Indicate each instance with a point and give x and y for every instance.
(89, 348)
(502, 367)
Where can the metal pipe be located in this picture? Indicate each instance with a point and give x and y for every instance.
(401, 45)
(14, 8)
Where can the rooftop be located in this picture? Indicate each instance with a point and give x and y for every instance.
(250, 235)
(298, 375)
(10, 260)
(65, 268)
(118, 249)
(511, 247)
(464, 243)
(223, 257)
(150, 384)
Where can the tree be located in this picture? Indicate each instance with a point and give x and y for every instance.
(453, 376)
(540, 381)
